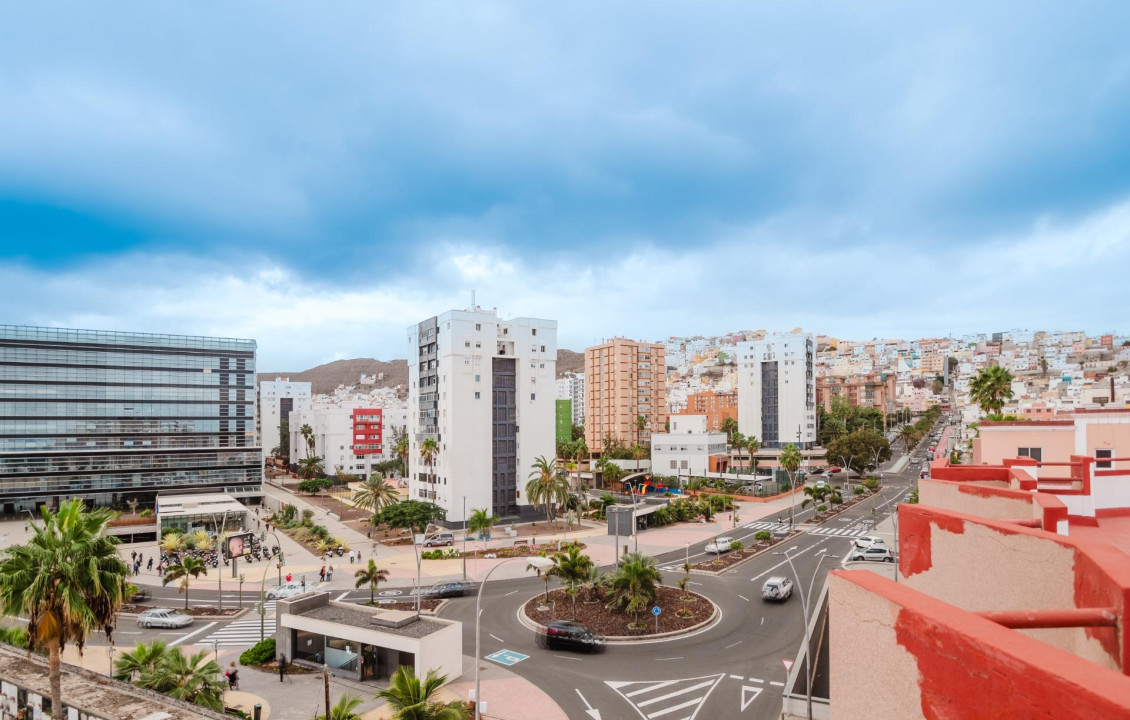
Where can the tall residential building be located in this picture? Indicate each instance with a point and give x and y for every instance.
(777, 390)
(572, 387)
(108, 416)
(873, 390)
(715, 406)
(624, 380)
(353, 439)
(483, 389)
(275, 400)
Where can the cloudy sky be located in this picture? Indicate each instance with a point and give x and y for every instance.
(320, 176)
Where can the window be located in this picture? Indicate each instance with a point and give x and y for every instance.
(1035, 453)
(543, 348)
(674, 464)
(476, 394)
(477, 378)
(1099, 455)
(534, 331)
(533, 396)
(683, 464)
(478, 326)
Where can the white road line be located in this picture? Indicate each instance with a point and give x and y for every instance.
(178, 641)
(743, 597)
(649, 688)
(776, 684)
(681, 691)
(756, 680)
(694, 583)
(342, 596)
(497, 638)
(670, 658)
(510, 593)
(566, 657)
(786, 562)
(674, 708)
(736, 677)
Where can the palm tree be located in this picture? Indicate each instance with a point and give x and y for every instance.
(790, 460)
(400, 448)
(641, 423)
(429, 449)
(635, 585)
(481, 522)
(409, 698)
(143, 659)
(752, 444)
(815, 495)
(189, 567)
(371, 576)
(308, 436)
(546, 486)
(375, 494)
(729, 426)
(991, 388)
(67, 581)
(737, 442)
(344, 709)
(573, 568)
(310, 468)
(194, 679)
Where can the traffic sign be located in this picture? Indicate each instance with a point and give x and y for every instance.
(655, 611)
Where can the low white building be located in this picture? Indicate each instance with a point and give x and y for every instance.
(686, 450)
(342, 437)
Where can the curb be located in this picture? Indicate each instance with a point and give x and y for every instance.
(633, 639)
(743, 561)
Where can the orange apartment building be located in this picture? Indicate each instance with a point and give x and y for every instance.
(716, 406)
(624, 379)
(876, 390)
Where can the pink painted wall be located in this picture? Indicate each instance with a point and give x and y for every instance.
(973, 499)
(1000, 442)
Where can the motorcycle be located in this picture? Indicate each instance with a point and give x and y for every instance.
(340, 551)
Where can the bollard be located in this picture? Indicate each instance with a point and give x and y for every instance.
(258, 711)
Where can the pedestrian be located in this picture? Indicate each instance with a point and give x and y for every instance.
(137, 568)
(256, 523)
(282, 667)
(369, 533)
(150, 565)
(288, 577)
(350, 557)
(133, 556)
(322, 574)
(374, 549)
(330, 573)
(25, 527)
(233, 677)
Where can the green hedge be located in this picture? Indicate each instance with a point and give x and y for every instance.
(259, 654)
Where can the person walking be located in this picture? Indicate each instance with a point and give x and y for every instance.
(322, 574)
(330, 572)
(150, 565)
(288, 576)
(282, 668)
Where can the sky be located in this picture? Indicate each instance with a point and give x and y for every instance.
(319, 177)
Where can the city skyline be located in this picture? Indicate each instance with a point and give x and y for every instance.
(873, 170)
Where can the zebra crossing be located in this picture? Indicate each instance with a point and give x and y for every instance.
(670, 699)
(839, 532)
(245, 632)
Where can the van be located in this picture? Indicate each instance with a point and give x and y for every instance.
(440, 539)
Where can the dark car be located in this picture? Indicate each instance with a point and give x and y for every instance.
(569, 635)
(141, 595)
(450, 589)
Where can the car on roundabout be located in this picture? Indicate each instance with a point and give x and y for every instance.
(457, 588)
(164, 618)
(285, 590)
(777, 589)
(719, 546)
(569, 635)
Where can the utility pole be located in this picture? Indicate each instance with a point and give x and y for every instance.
(326, 681)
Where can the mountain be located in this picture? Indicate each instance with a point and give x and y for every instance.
(325, 378)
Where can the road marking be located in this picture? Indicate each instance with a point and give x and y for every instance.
(776, 684)
(743, 597)
(507, 657)
(178, 641)
(749, 694)
(757, 680)
(739, 642)
(129, 632)
(786, 562)
(342, 596)
(566, 657)
(497, 638)
(646, 694)
(510, 593)
(670, 658)
(737, 677)
(694, 583)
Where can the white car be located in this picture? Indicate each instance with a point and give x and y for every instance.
(867, 541)
(720, 545)
(877, 553)
(777, 588)
(163, 618)
(285, 590)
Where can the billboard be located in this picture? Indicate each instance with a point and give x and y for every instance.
(238, 545)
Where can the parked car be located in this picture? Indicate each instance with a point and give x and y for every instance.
(821, 484)
(720, 545)
(163, 618)
(285, 590)
(834, 469)
(777, 588)
(456, 588)
(569, 635)
(141, 595)
(440, 540)
(877, 553)
(868, 541)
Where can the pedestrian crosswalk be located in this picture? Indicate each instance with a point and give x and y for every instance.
(839, 532)
(761, 525)
(245, 632)
(669, 699)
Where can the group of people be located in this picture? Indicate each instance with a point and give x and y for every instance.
(136, 559)
(326, 573)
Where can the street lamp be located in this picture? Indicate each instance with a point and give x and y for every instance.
(110, 654)
(687, 548)
(821, 556)
(538, 562)
(635, 536)
(416, 547)
(263, 585)
(895, 519)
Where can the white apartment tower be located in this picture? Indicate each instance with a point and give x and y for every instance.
(572, 387)
(484, 389)
(777, 390)
(275, 400)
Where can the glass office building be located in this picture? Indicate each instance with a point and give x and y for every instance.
(110, 416)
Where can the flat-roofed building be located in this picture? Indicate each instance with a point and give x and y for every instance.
(624, 380)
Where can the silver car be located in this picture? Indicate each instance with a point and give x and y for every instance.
(719, 546)
(164, 618)
(285, 590)
(777, 588)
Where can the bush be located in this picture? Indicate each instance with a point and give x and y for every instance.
(307, 515)
(289, 512)
(302, 534)
(857, 490)
(821, 508)
(737, 545)
(762, 536)
(260, 653)
(14, 636)
(146, 513)
(440, 554)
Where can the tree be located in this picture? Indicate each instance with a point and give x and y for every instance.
(409, 697)
(861, 448)
(729, 426)
(790, 460)
(635, 585)
(308, 436)
(67, 581)
(737, 442)
(143, 659)
(187, 568)
(314, 486)
(546, 487)
(344, 709)
(991, 388)
(429, 450)
(132, 504)
(194, 679)
(753, 445)
(481, 522)
(815, 494)
(283, 450)
(412, 515)
(400, 448)
(375, 494)
(310, 468)
(572, 568)
(372, 576)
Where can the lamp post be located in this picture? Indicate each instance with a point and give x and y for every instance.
(687, 549)
(416, 547)
(110, 654)
(540, 563)
(263, 585)
(894, 513)
(821, 556)
(635, 536)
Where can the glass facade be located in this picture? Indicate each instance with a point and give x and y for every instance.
(107, 416)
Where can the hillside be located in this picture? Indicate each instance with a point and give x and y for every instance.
(324, 378)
